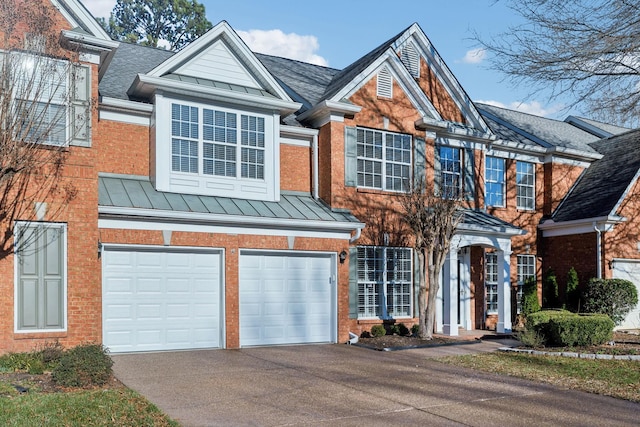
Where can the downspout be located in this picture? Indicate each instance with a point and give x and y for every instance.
(314, 147)
(357, 236)
(598, 251)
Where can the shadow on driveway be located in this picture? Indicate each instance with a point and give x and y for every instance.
(345, 385)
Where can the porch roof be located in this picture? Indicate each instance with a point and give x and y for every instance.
(480, 221)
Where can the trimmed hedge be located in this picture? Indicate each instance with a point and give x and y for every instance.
(564, 328)
(581, 330)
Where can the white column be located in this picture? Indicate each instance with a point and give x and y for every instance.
(439, 305)
(450, 294)
(504, 292)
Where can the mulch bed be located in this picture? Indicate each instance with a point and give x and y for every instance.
(24, 382)
(624, 343)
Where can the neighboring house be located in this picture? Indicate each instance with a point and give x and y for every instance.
(231, 199)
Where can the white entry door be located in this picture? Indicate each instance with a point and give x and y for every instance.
(629, 270)
(161, 299)
(286, 298)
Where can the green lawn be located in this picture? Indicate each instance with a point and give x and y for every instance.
(100, 407)
(617, 378)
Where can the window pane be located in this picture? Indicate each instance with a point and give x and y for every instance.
(451, 172)
(525, 185)
(494, 178)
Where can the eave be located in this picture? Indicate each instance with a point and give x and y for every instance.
(551, 228)
(145, 86)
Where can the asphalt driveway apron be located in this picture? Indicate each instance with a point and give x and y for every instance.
(346, 385)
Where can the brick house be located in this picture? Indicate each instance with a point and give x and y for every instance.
(229, 199)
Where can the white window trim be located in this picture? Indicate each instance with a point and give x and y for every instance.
(383, 161)
(532, 186)
(486, 192)
(460, 173)
(384, 283)
(16, 303)
(165, 179)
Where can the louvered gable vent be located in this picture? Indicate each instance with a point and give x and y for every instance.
(385, 83)
(411, 59)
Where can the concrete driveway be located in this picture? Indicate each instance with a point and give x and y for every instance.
(346, 385)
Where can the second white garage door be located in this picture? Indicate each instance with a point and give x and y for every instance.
(629, 270)
(161, 299)
(286, 299)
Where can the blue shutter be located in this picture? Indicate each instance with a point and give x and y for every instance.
(350, 157)
(353, 282)
(469, 176)
(419, 161)
(437, 172)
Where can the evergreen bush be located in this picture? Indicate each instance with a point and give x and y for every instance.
(530, 303)
(613, 297)
(550, 290)
(378, 330)
(572, 291)
(83, 366)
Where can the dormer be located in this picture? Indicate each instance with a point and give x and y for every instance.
(216, 121)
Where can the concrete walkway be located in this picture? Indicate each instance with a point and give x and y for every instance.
(346, 385)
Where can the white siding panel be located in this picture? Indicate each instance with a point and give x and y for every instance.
(629, 270)
(220, 64)
(161, 300)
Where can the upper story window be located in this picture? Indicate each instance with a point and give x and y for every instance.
(525, 185)
(451, 172)
(209, 144)
(384, 159)
(215, 150)
(494, 181)
(50, 99)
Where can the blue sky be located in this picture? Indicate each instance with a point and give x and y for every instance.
(336, 33)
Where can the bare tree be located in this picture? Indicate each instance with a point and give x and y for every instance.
(38, 79)
(584, 50)
(432, 220)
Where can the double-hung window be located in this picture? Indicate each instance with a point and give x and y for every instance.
(40, 98)
(450, 172)
(491, 283)
(526, 269)
(384, 282)
(494, 181)
(40, 254)
(384, 159)
(217, 143)
(525, 185)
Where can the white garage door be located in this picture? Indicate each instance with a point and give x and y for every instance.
(161, 299)
(286, 299)
(629, 270)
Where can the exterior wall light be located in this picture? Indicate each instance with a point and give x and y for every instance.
(343, 256)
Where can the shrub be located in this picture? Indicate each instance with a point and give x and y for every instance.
(581, 330)
(83, 366)
(415, 329)
(572, 292)
(378, 330)
(530, 302)
(402, 329)
(550, 290)
(564, 328)
(531, 338)
(613, 297)
(393, 329)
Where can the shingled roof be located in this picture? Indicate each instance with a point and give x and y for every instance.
(603, 184)
(529, 129)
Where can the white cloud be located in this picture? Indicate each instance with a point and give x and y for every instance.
(277, 43)
(475, 56)
(533, 107)
(100, 8)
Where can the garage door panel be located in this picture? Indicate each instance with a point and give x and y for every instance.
(161, 300)
(279, 294)
(629, 270)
